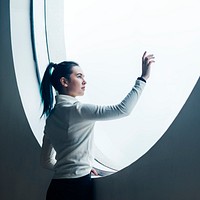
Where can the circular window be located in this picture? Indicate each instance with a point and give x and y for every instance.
(107, 39)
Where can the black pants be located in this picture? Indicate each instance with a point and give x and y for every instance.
(71, 189)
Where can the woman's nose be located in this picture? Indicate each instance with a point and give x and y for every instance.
(84, 82)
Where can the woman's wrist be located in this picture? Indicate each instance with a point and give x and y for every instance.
(142, 79)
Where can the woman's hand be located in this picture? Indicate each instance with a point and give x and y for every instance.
(93, 171)
(147, 60)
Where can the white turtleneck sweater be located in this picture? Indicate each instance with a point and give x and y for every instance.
(69, 132)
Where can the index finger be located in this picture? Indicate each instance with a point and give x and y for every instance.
(144, 55)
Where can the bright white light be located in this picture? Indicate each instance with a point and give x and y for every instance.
(108, 37)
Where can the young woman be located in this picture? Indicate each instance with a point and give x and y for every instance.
(69, 127)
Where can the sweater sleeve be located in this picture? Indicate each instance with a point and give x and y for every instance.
(124, 108)
(47, 157)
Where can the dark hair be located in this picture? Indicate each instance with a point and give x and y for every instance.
(51, 78)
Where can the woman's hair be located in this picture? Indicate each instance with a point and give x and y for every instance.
(51, 78)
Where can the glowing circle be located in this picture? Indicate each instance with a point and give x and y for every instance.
(107, 38)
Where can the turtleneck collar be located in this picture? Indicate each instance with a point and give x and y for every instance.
(66, 99)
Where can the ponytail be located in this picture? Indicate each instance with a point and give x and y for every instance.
(46, 90)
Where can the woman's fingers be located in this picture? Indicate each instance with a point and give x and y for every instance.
(147, 60)
(93, 171)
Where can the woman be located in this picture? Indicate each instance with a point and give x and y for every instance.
(69, 127)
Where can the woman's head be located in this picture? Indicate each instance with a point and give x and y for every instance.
(66, 78)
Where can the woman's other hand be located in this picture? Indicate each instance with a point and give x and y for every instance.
(94, 172)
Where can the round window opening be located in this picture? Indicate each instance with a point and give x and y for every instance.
(107, 38)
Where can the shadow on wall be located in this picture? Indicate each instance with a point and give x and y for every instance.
(170, 170)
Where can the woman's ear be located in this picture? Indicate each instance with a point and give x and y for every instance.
(64, 82)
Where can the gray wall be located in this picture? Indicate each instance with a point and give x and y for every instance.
(169, 170)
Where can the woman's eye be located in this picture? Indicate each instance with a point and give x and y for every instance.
(80, 76)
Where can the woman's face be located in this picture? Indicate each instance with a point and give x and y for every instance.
(76, 84)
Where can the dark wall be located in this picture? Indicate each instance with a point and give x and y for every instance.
(22, 177)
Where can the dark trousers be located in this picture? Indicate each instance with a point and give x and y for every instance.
(71, 189)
